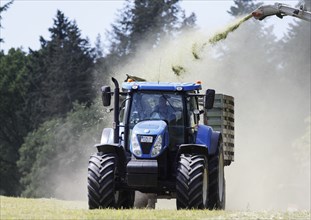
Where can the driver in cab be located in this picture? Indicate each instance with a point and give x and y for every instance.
(163, 111)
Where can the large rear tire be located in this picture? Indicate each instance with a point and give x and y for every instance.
(102, 193)
(192, 182)
(217, 190)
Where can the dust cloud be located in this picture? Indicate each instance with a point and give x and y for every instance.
(68, 169)
(271, 170)
(69, 178)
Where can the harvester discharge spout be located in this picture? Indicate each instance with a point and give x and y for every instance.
(281, 10)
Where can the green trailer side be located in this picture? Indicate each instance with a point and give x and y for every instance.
(221, 118)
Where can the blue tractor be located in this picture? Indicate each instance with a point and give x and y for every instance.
(158, 145)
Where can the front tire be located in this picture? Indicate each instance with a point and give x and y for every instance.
(192, 182)
(102, 193)
(101, 190)
(217, 195)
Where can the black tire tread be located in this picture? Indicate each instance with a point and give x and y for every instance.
(101, 181)
(189, 182)
(213, 201)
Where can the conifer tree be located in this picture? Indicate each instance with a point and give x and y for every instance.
(243, 7)
(14, 119)
(66, 71)
(2, 9)
(149, 22)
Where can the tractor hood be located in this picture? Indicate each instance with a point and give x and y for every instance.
(149, 138)
(153, 127)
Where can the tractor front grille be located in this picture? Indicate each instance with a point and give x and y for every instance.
(145, 146)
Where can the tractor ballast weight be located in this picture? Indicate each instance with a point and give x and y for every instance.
(158, 145)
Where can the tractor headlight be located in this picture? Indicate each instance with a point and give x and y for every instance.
(135, 146)
(157, 146)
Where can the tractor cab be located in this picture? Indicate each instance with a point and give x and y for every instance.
(159, 111)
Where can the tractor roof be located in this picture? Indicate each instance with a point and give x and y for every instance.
(161, 86)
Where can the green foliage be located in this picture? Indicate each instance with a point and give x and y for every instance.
(14, 120)
(58, 147)
(60, 72)
(3, 9)
(146, 22)
(37, 87)
(65, 75)
(243, 7)
(99, 51)
(41, 87)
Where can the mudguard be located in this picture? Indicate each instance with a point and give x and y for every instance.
(107, 146)
(207, 136)
(216, 136)
(192, 148)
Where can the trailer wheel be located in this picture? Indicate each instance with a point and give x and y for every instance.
(192, 182)
(101, 181)
(217, 185)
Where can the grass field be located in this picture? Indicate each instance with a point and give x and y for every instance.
(21, 208)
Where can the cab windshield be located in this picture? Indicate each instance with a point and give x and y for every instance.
(159, 106)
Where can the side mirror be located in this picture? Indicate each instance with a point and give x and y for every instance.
(209, 99)
(106, 95)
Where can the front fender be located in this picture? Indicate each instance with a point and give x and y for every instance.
(117, 150)
(193, 148)
(207, 136)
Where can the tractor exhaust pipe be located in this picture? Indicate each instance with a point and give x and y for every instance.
(116, 122)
